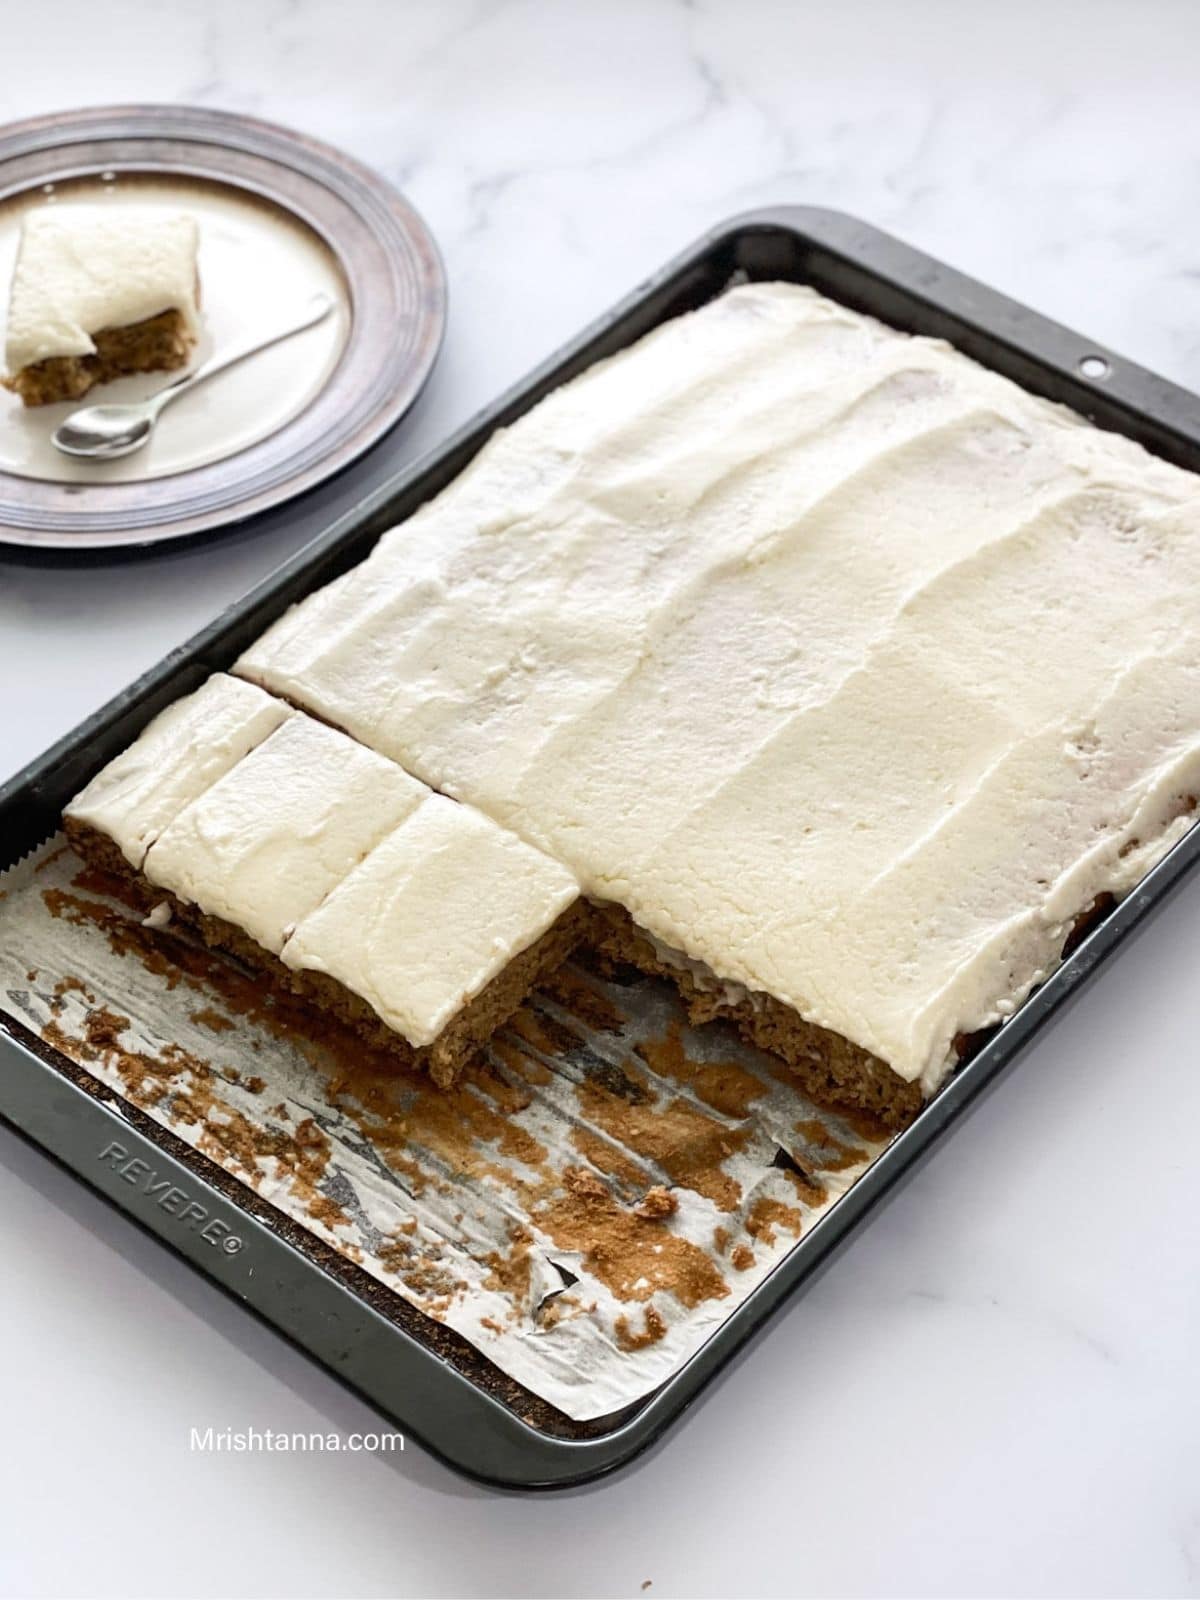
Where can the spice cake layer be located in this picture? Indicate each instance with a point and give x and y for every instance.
(418, 920)
(851, 671)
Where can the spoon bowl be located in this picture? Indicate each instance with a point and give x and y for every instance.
(104, 432)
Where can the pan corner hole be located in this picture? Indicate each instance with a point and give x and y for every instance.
(1095, 367)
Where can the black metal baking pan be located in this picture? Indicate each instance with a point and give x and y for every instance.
(450, 1398)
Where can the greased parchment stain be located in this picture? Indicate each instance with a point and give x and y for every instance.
(680, 1139)
(723, 1085)
(594, 1193)
(398, 1109)
(632, 1255)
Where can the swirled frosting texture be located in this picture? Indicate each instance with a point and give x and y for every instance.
(86, 267)
(850, 668)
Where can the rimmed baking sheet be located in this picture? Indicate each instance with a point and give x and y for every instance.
(418, 1371)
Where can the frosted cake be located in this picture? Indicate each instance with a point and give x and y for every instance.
(842, 675)
(417, 920)
(99, 291)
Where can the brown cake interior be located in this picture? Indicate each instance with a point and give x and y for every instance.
(159, 344)
(458, 1041)
(828, 1067)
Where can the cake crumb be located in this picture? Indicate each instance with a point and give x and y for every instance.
(767, 1214)
(652, 1331)
(71, 985)
(630, 1255)
(209, 1017)
(657, 1203)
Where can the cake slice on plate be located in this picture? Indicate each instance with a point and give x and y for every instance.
(98, 292)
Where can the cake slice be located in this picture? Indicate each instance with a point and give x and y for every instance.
(98, 292)
(331, 871)
(175, 758)
(266, 843)
(439, 934)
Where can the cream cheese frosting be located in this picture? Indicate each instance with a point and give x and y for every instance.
(325, 853)
(175, 758)
(266, 843)
(435, 912)
(81, 268)
(851, 669)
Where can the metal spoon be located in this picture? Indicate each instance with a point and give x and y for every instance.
(101, 433)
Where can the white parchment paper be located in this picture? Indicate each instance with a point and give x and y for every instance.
(585, 1207)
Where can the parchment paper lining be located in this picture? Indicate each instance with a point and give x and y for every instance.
(584, 1208)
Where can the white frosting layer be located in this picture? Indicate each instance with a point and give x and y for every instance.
(173, 761)
(432, 915)
(850, 668)
(264, 845)
(326, 853)
(82, 268)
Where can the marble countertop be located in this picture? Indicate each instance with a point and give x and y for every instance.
(995, 1389)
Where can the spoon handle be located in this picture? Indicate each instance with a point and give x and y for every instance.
(317, 310)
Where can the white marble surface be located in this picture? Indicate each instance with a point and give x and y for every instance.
(995, 1390)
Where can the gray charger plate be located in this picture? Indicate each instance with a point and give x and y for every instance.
(383, 252)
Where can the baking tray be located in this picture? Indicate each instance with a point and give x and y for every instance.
(451, 1399)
